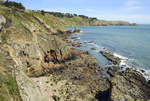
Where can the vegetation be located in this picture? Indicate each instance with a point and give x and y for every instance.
(8, 88)
(13, 4)
(68, 15)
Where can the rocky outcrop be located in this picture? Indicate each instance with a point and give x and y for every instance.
(2, 22)
(129, 85)
(81, 76)
(48, 28)
(76, 44)
(111, 57)
(29, 91)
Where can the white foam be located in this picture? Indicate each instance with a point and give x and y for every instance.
(119, 56)
(124, 64)
(98, 47)
(124, 60)
(78, 38)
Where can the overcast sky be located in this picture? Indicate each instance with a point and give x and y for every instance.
(129, 10)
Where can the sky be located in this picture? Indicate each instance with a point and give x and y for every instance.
(137, 11)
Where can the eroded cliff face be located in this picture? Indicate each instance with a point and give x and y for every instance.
(33, 50)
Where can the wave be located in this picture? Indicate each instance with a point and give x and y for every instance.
(124, 60)
(124, 64)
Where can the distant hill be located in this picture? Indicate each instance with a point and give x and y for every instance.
(74, 19)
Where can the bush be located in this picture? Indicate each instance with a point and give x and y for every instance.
(43, 12)
(13, 4)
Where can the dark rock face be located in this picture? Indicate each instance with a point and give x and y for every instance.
(103, 96)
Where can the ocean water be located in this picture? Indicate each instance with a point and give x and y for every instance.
(131, 43)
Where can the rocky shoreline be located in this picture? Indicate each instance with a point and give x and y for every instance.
(43, 66)
(86, 81)
(119, 83)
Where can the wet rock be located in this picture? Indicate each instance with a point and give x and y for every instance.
(143, 71)
(74, 37)
(93, 48)
(111, 57)
(76, 44)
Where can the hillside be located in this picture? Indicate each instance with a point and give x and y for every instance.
(68, 19)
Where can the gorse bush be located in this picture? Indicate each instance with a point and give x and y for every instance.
(13, 4)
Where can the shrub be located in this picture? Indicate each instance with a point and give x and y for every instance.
(13, 4)
(43, 12)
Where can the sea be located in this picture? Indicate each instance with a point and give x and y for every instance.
(130, 43)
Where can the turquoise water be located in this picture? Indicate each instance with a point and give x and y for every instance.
(132, 42)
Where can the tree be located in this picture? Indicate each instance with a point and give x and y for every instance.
(43, 12)
(13, 4)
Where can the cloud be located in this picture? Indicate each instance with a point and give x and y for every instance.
(63, 10)
(132, 5)
(135, 18)
(71, 10)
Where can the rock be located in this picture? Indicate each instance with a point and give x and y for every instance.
(143, 71)
(149, 82)
(27, 87)
(93, 48)
(129, 85)
(56, 98)
(112, 71)
(111, 57)
(2, 21)
(48, 28)
(76, 30)
(20, 84)
(74, 37)
(76, 44)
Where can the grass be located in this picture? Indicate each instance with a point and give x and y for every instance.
(8, 88)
